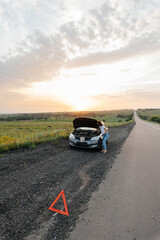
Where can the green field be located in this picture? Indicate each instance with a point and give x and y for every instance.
(29, 133)
(152, 115)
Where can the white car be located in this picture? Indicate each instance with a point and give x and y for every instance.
(86, 133)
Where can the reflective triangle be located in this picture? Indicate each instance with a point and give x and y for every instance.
(65, 205)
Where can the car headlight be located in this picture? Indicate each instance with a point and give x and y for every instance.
(95, 138)
(71, 137)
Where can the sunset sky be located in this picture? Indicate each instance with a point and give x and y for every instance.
(79, 55)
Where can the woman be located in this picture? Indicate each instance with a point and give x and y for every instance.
(104, 134)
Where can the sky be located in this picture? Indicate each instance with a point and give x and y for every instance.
(79, 55)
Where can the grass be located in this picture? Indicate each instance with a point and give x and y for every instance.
(151, 115)
(29, 133)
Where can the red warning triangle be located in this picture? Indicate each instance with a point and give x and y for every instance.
(65, 205)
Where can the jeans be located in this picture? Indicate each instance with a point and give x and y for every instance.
(105, 138)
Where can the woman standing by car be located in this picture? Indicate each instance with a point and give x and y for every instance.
(104, 134)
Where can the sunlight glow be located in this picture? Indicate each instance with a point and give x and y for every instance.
(88, 88)
(81, 104)
(77, 88)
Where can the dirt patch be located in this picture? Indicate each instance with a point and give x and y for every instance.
(32, 179)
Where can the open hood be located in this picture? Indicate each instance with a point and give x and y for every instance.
(85, 122)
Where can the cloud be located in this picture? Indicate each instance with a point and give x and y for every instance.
(107, 34)
(142, 46)
(19, 19)
(40, 59)
(129, 99)
(102, 18)
(71, 33)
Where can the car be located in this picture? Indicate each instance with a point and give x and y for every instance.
(86, 134)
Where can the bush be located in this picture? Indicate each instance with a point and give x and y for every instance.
(155, 119)
(4, 149)
(130, 116)
(33, 146)
(26, 144)
(143, 117)
(121, 116)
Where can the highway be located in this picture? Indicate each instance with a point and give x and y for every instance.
(127, 204)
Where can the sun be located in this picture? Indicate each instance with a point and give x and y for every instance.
(80, 104)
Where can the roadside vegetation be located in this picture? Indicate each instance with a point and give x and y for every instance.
(28, 130)
(152, 115)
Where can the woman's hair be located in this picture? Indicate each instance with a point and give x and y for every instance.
(100, 123)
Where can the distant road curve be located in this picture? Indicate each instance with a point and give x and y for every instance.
(127, 204)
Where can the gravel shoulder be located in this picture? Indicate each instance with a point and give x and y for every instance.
(30, 180)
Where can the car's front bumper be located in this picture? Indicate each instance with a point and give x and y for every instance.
(85, 144)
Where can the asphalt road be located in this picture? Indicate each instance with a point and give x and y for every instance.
(127, 204)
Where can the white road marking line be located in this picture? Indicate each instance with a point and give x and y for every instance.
(152, 127)
(156, 128)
